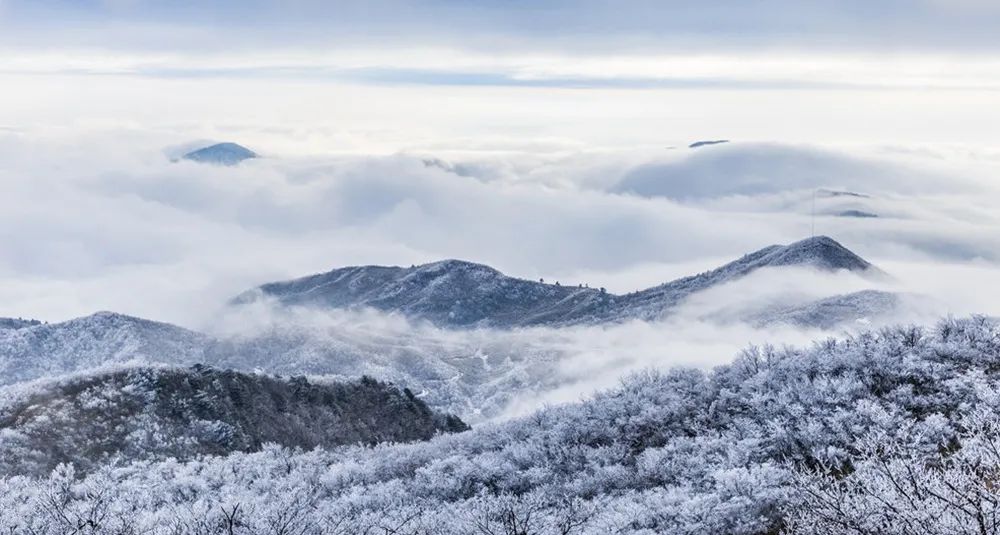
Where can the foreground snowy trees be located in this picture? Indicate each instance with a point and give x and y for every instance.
(892, 489)
(885, 432)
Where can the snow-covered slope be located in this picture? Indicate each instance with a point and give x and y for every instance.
(461, 294)
(474, 377)
(820, 252)
(221, 154)
(96, 340)
(684, 452)
(864, 307)
(451, 292)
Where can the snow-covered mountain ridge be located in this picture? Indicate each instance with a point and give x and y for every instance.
(455, 293)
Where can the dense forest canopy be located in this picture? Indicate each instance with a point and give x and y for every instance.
(778, 440)
(155, 413)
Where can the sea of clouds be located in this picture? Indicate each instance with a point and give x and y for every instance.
(118, 225)
(111, 222)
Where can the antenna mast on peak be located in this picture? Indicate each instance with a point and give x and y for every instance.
(813, 222)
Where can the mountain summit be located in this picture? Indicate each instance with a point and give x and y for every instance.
(449, 292)
(455, 293)
(819, 251)
(221, 154)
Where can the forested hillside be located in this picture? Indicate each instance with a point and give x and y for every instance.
(157, 413)
(478, 376)
(749, 448)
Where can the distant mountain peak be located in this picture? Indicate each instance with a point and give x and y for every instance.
(856, 213)
(108, 314)
(707, 142)
(461, 294)
(226, 153)
(451, 264)
(823, 192)
(453, 267)
(819, 251)
(448, 292)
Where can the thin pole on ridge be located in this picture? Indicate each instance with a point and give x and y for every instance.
(812, 228)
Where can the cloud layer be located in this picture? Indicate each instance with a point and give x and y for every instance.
(111, 223)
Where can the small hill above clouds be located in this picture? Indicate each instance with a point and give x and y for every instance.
(221, 154)
(152, 413)
(821, 252)
(454, 293)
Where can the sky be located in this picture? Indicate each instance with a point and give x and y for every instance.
(546, 138)
(398, 75)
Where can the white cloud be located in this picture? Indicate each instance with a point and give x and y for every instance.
(501, 373)
(755, 169)
(109, 223)
(429, 64)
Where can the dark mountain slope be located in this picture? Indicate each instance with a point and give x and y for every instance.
(820, 252)
(462, 294)
(155, 413)
(451, 292)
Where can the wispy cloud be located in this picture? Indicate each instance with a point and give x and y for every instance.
(457, 67)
